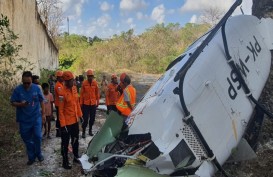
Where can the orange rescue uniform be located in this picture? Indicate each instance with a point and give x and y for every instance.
(112, 95)
(122, 105)
(69, 107)
(58, 91)
(89, 93)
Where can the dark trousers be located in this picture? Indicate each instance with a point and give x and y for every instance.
(58, 119)
(89, 114)
(111, 108)
(73, 133)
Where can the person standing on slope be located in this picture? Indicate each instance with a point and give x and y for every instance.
(112, 94)
(58, 91)
(30, 113)
(89, 100)
(70, 113)
(127, 100)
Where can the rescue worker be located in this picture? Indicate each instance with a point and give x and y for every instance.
(58, 90)
(112, 94)
(127, 100)
(121, 87)
(89, 100)
(30, 113)
(70, 113)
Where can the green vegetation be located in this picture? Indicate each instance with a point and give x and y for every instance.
(10, 61)
(150, 52)
(45, 173)
(44, 75)
(9, 141)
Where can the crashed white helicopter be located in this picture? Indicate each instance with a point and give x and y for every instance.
(194, 117)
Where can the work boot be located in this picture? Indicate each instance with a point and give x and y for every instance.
(83, 134)
(41, 158)
(30, 162)
(76, 159)
(66, 164)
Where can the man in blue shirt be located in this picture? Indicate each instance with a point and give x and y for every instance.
(28, 100)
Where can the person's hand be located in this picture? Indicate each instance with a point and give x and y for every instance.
(81, 119)
(119, 89)
(24, 103)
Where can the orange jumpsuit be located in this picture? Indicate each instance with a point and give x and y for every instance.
(69, 112)
(89, 93)
(69, 107)
(89, 99)
(111, 97)
(58, 91)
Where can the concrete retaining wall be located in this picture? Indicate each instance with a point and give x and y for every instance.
(25, 21)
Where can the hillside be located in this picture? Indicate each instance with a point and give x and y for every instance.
(149, 52)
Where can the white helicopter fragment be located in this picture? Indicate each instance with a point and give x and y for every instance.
(195, 115)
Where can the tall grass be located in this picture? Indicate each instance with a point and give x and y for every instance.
(10, 140)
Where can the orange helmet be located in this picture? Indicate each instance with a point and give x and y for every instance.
(89, 72)
(113, 76)
(59, 74)
(122, 76)
(67, 75)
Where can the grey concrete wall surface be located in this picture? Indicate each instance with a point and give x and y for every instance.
(25, 21)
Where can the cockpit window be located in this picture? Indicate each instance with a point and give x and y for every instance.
(182, 155)
(178, 59)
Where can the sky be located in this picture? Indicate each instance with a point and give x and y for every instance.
(104, 18)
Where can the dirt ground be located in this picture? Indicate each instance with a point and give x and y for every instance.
(14, 165)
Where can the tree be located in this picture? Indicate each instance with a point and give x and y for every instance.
(52, 16)
(66, 62)
(96, 39)
(211, 16)
(262, 8)
(127, 35)
(10, 61)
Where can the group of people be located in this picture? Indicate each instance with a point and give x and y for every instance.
(73, 104)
